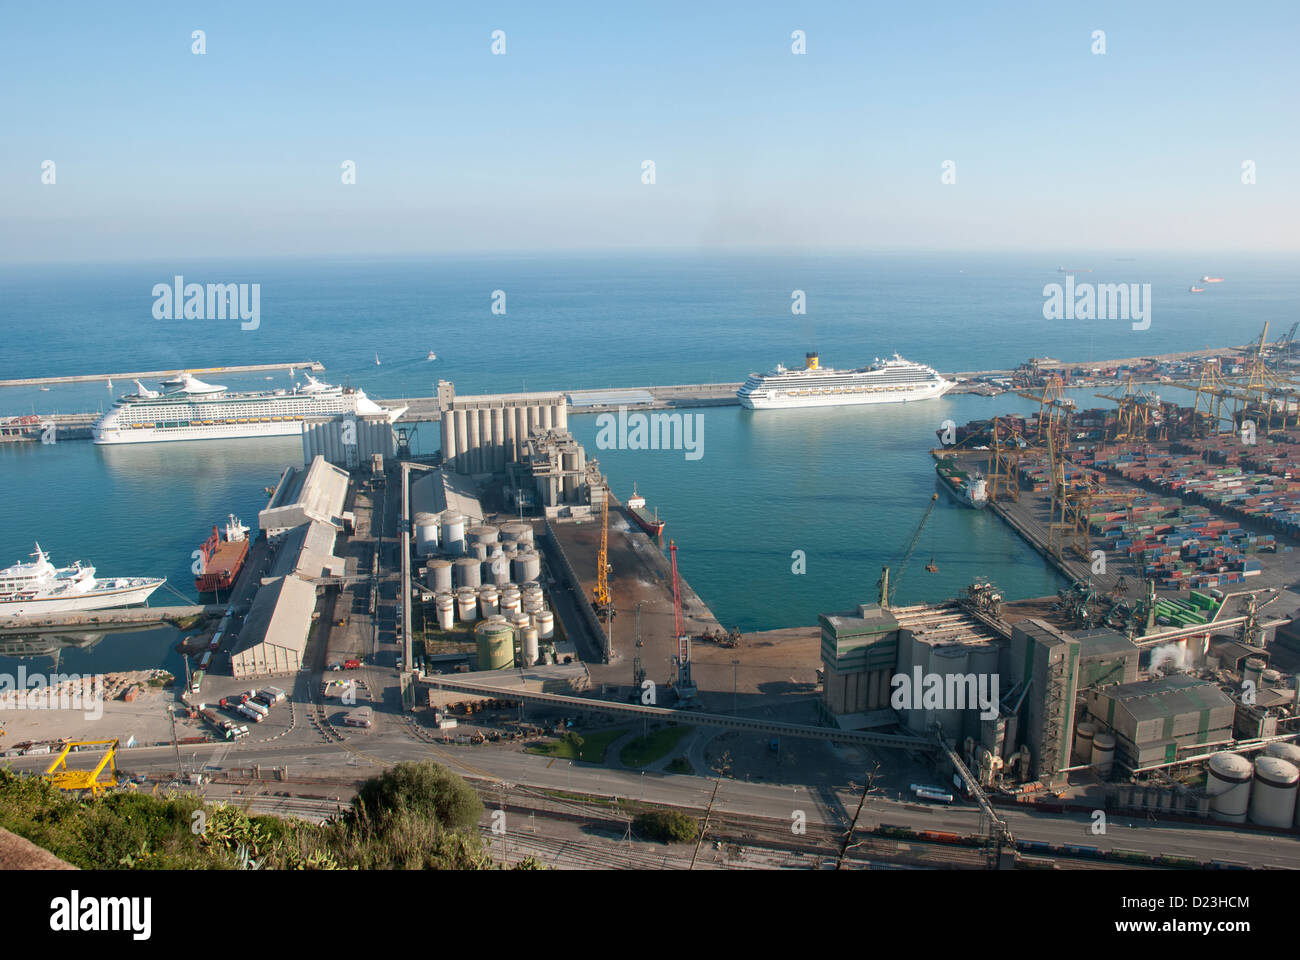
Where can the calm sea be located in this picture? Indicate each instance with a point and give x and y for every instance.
(847, 487)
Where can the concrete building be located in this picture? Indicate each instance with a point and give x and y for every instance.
(274, 636)
(859, 652)
(1046, 661)
(561, 473)
(1153, 720)
(1106, 657)
(307, 551)
(349, 440)
(316, 492)
(481, 434)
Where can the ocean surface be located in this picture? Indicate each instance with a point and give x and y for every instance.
(845, 486)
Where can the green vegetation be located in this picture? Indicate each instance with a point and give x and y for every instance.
(645, 750)
(666, 826)
(164, 681)
(590, 747)
(680, 765)
(414, 816)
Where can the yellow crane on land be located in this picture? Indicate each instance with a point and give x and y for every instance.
(65, 779)
(600, 595)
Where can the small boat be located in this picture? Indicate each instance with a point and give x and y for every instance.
(45, 389)
(376, 359)
(431, 356)
(1211, 279)
(1195, 289)
(636, 507)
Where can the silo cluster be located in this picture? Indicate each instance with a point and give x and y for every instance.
(480, 573)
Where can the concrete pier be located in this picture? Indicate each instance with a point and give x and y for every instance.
(311, 365)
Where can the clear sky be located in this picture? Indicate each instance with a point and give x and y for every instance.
(237, 152)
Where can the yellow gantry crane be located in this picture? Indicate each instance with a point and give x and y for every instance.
(65, 779)
(601, 593)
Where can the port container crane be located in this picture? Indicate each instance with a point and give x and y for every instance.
(888, 587)
(65, 779)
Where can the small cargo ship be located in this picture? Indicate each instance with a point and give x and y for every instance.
(1195, 289)
(969, 488)
(220, 559)
(1211, 279)
(636, 507)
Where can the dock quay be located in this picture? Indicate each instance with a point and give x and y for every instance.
(55, 427)
(101, 619)
(311, 365)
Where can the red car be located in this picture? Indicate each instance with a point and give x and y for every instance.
(351, 664)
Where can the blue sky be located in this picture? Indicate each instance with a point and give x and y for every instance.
(238, 152)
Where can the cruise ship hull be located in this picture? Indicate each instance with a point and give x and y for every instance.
(220, 431)
(773, 398)
(96, 600)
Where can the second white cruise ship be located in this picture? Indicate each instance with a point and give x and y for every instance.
(195, 410)
(886, 381)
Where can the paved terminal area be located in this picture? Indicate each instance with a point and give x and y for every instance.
(640, 574)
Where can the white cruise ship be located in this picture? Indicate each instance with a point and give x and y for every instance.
(37, 588)
(886, 381)
(194, 410)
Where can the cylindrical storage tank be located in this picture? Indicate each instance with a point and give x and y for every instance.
(453, 533)
(496, 645)
(438, 576)
(498, 570)
(1272, 799)
(1227, 782)
(527, 565)
(532, 608)
(488, 597)
(530, 646)
(1289, 752)
(445, 604)
(1272, 676)
(1254, 672)
(466, 604)
(947, 661)
(426, 534)
(484, 533)
(544, 620)
(1103, 754)
(479, 551)
(1083, 735)
(517, 532)
(510, 603)
(468, 572)
(519, 622)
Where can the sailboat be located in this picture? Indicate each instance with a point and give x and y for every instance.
(376, 359)
(431, 356)
(110, 383)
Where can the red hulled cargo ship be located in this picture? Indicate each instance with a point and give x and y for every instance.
(220, 559)
(636, 507)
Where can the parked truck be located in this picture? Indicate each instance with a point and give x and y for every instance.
(251, 714)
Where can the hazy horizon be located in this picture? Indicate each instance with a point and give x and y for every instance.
(239, 151)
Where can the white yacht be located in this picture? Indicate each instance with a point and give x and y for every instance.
(39, 587)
